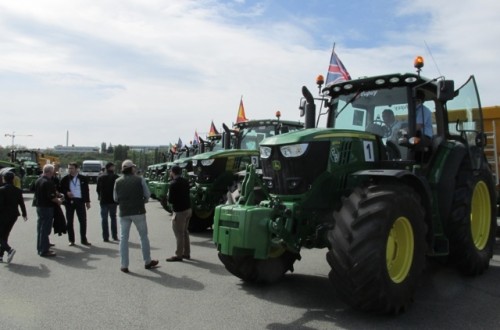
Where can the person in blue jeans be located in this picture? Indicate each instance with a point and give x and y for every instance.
(104, 188)
(45, 198)
(131, 193)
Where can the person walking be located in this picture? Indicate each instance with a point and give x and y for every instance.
(104, 188)
(131, 193)
(45, 198)
(178, 196)
(11, 198)
(75, 189)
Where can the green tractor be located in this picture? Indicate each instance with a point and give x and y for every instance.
(219, 173)
(379, 205)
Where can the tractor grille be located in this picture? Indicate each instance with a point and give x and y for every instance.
(296, 174)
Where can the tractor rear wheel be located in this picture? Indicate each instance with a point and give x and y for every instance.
(268, 270)
(471, 227)
(378, 247)
(201, 221)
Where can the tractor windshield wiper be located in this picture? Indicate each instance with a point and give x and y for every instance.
(348, 102)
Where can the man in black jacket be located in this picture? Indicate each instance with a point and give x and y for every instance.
(104, 188)
(75, 189)
(178, 196)
(11, 198)
(45, 198)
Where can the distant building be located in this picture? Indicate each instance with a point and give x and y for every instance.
(149, 148)
(63, 149)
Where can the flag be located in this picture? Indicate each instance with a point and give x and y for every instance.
(179, 144)
(241, 113)
(196, 139)
(213, 130)
(336, 71)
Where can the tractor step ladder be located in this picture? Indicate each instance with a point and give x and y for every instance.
(491, 151)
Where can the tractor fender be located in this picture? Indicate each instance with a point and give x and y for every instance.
(406, 177)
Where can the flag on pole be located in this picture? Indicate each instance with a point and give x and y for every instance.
(336, 71)
(241, 113)
(213, 130)
(196, 139)
(179, 144)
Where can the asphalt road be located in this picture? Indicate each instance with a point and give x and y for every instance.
(83, 288)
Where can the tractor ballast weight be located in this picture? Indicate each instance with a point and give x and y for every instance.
(379, 202)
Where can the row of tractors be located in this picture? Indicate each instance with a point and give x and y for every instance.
(27, 165)
(215, 167)
(380, 202)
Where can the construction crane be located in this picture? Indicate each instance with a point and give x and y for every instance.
(13, 136)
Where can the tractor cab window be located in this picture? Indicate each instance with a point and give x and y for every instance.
(382, 112)
(464, 114)
(252, 136)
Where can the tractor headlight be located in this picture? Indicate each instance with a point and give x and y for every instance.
(207, 162)
(195, 162)
(265, 152)
(182, 165)
(294, 150)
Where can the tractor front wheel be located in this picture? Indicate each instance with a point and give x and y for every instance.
(201, 220)
(378, 247)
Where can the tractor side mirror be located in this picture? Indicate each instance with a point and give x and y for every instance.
(445, 90)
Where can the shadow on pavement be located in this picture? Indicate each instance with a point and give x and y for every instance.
(166, 280)
(218, 269)
(30, 271)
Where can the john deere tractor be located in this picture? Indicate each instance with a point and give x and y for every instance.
(379, 206)
(218, 173)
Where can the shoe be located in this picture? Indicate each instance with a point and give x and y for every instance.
(186, 256)
(10, 255)
(50, 244)
(116, 239)
(106, 240)
(174, 258)
(86, 243)
(48, 254)
(125, 270)
(71, 244)
(151, 264)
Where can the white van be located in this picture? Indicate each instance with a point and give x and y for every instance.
(92, 169)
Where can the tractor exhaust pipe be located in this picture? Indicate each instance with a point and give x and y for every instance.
(227, 137)
(310, 108)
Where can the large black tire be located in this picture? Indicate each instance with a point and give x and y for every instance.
(201, 221)
(250, 269)
(378, 248)
(471, 226)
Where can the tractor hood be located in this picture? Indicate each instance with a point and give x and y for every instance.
(226, 153)
(315, 134)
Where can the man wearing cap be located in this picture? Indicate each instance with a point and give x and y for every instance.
(104, 188)
(75, 189)
(178, 196)
(11, 198)
(131, 193)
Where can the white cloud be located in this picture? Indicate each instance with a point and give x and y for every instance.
(149, 72)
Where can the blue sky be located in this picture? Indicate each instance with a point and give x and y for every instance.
(148, 72)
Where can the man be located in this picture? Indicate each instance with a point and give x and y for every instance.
(11, 198)
(392, 124)
(104, 188)
(423, 115)
(131, 193)
(45, 198)
(75, 189)
(178, 196)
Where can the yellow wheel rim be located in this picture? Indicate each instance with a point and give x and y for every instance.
(480, 215)
(400, 247)
(202, 214)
